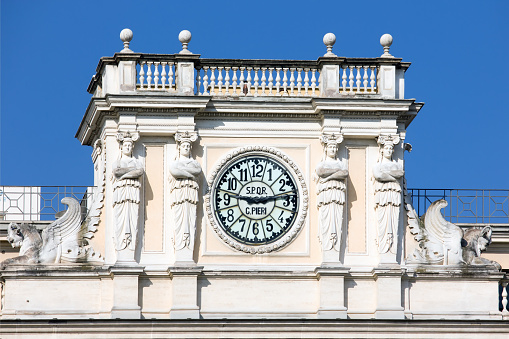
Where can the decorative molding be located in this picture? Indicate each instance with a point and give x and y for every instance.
(256, 115)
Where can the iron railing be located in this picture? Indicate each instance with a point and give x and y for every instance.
(465, 205)
(33, 203)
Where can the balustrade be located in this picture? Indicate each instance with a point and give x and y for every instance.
(155, 75)
(327, 76)
(224, 77)
(503, 297)
(349, 72)
(256, 80)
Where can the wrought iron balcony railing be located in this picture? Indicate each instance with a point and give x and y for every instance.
(466, 206)
(34, 203)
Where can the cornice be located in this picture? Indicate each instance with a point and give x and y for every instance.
(255, 115)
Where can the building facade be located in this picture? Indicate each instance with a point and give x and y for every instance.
(247, 190)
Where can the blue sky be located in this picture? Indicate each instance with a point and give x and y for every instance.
(458, 49)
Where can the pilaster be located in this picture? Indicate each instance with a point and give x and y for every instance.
(329, 70)
(185, 80)
(125, 291)
(184, 279)
(332, 292)
(389, 301)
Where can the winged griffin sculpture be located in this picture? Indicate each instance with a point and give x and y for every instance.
(444, 243)
(61, 241)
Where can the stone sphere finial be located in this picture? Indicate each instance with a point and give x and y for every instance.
(185, 38)
(126, 36)
(329, 40)
(386, 42)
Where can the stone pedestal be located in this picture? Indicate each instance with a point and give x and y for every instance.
(125, 257)
(330, 258)
(184, 279)
(389, 303)
(332, 292)
(125, 292)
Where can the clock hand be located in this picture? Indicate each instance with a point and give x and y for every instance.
(249, 200)
(262, 199)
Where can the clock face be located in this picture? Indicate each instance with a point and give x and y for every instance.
(255, 199)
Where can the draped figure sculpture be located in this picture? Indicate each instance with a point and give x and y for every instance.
(184, 186)
(127, 172)
(387, 174)
(329, 176)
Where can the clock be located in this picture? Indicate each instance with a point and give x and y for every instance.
(257, 200)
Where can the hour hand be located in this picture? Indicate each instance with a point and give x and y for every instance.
(249, 200)
(252, 200)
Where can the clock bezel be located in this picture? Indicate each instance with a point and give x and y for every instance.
(291, 167)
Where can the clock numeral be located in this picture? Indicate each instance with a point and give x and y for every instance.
(243, 174)
(230, 216)
(227, 199)
(287, 201)
(243, 221)
(282, 182)
(255, 228)
(269, 227)
(256, 171)
(232, 184)
(270, 174)
(280, 218)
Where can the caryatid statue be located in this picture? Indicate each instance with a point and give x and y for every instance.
(184, 187)
(387, 174)
(127, 173)
(329, 176)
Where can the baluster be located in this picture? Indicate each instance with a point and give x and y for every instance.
(285, 81)
(504, 297)
(256, 69)
(350, 78)
(205, 80)
(170, 75)
(299, 81)
(271, 79)
(198, 78)
(365, 79)
(227, 81)
(212, 80)
(372, 78)
(313, 81)
(319, 80)
(292, 81)
(278, 81)
(149, 74)
(358, 78)
(220, 80)
(343, 82)
(264, 80)
(306, 81)
(156, 74)
(242, 79)
(142, 74)
(248, 80)
(234, 80)
(163, 74)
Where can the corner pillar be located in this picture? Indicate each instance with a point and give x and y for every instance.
(387, 81)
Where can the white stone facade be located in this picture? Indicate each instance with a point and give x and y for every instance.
(251, 110)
